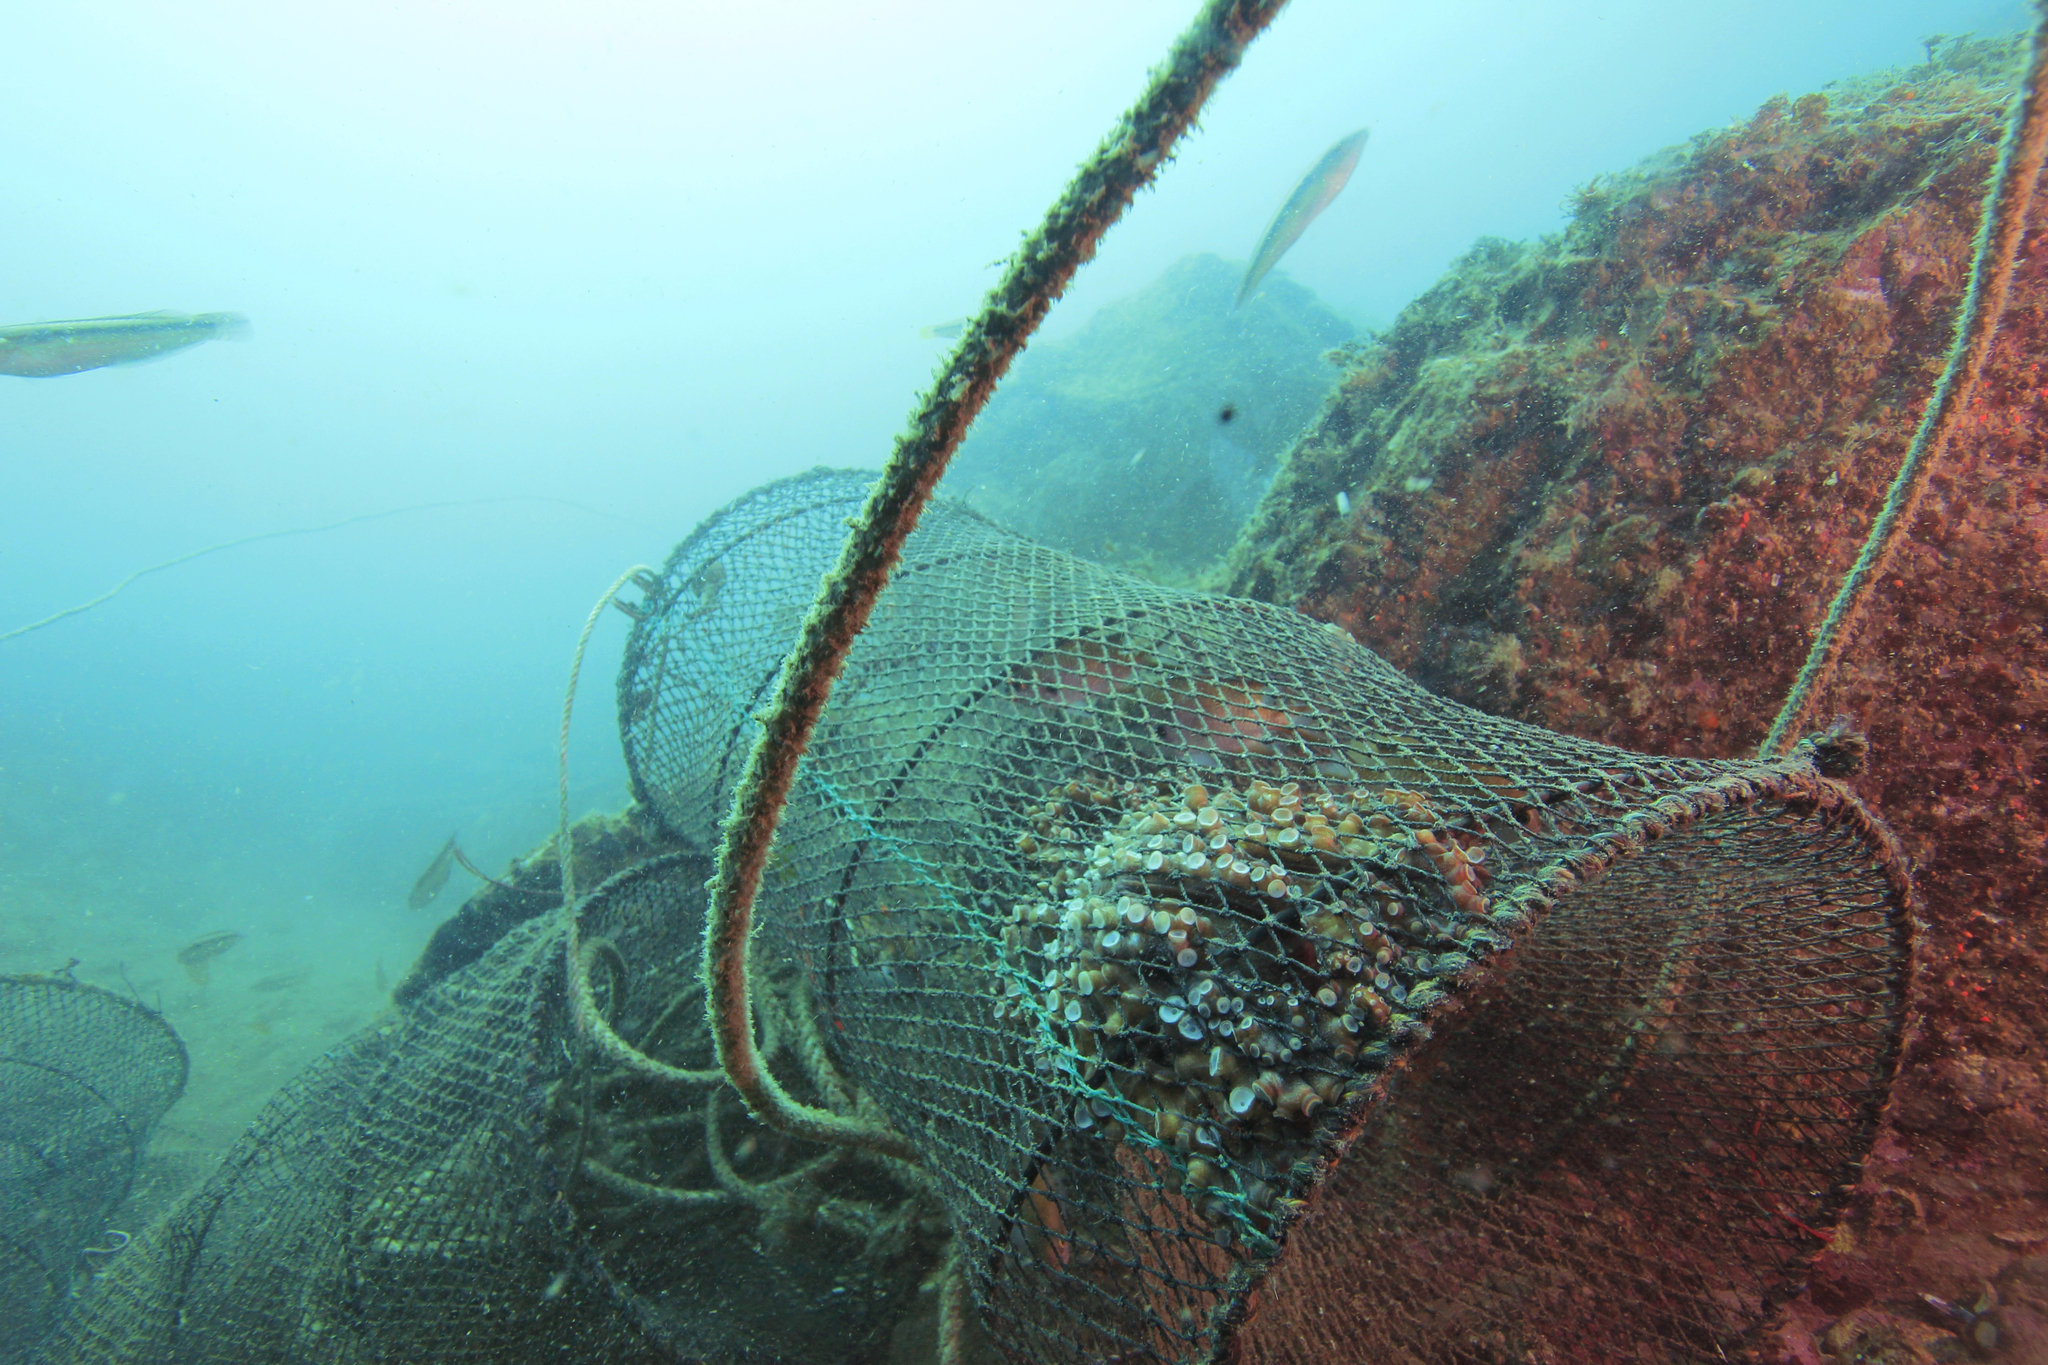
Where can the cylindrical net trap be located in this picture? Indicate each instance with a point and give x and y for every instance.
(84, 1077)
(1245, 1001)
(463, 1182)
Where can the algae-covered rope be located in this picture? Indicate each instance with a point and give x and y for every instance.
(1038, 273)
(1999, 228)
(956, 1306)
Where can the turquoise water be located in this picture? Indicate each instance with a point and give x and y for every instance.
(591, 271)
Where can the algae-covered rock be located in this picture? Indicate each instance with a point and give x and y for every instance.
(1145, 439)
(1607, 482)
(1582, 475)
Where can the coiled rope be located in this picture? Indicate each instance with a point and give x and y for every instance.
(1038, 274)
(1999, 228)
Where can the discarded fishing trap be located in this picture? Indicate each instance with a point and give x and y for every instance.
(1243, 1000)
(84, 1077)
(461, 1181)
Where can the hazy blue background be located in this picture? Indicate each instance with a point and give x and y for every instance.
(639, 256)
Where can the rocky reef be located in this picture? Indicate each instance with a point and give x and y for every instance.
(1146, 439)
(1607, 483)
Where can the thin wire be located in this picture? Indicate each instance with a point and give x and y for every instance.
(191, 555)
(590, 1021)
(563, 849)
(2000, 226)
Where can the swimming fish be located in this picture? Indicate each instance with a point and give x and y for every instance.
(195, 956)
(282, 981)
(434, 878)
(947, 331)
(40, 350)
(706, 583)
(1314, 194)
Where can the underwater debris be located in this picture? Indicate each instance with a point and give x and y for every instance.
(1015, 969)
(197, 957)
(434, 878)
(1316, 192)
(44, 350)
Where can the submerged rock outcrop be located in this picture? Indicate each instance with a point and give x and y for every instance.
(1607, 482)
(1145, 439)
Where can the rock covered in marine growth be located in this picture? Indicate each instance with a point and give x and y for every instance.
(1145, 439)
(1607, 483)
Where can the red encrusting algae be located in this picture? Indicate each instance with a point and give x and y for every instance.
(1607, 483)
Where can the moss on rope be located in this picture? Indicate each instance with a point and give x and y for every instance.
(1038, 274)
(1999, 229)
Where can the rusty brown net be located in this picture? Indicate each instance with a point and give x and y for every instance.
(1244, 1000)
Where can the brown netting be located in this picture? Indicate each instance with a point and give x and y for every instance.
(84, 1076)
(460, 1182)
(1242, 999)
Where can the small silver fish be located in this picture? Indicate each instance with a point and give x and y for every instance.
(1314, 194)
(41, 350)
(434, 878)
(195, 956)
(944, 331)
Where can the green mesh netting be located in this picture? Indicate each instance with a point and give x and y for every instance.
(84, 1077)
(459, 1183)
(1245, 1000)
